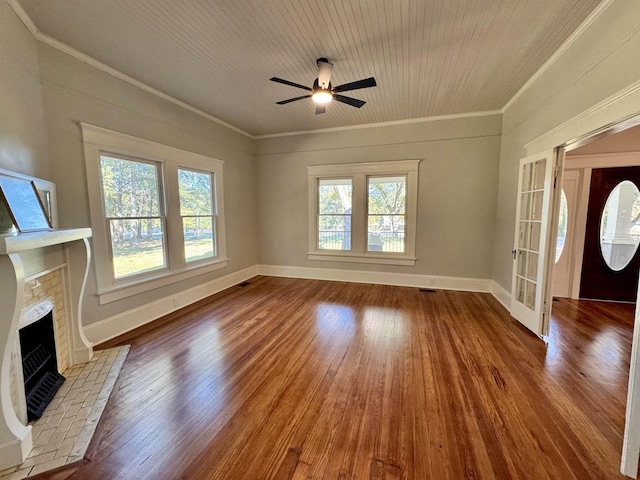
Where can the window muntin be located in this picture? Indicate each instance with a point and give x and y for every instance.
(386, 214)
(197, 209)
(168, 160)
(335, 198)
(394, 222)
(133, 211)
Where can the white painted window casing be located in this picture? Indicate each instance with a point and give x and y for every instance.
(100, 141)
(360, 175)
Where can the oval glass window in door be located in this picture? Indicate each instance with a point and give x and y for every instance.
(563, 216)
(620, 225)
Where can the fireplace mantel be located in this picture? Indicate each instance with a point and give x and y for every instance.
(15, 437)
(19, 242)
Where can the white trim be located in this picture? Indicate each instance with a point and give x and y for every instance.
(63, 47)
(380, 278)
(126, 144)
(98, 140)
(119, 291)
(631, 440)
(600, 9)
(584, 164)
(532, 315)
(563, 269)
(359, 173)
(367, 168)
(408, 121)
(124, 322)
(614, 109)
(337, 256)
(26, 19)
(602, 160)
(501, 294)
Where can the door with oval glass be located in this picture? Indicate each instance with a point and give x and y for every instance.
(611, 260)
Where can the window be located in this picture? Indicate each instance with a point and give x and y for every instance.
(334, 214)
(156, 212)
(197, 212)
(386, 202)
(363, 212)
(134, 217)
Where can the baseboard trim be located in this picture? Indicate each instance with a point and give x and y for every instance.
(501, 294)
(111, 327)
(124, 322)
(380, 278)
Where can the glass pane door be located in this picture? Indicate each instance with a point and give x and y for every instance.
(534, 194)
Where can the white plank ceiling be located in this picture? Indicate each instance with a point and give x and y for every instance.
(429, 57)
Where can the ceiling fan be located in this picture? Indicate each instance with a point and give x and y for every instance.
(322, 92)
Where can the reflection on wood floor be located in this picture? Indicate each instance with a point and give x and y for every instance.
(296, 379)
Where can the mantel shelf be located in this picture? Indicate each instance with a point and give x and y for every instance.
(20, 242)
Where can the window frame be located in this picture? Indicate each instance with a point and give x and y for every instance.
(100, 141)
(213, 215)
(345, 215)
(162, 216)
(359, 173)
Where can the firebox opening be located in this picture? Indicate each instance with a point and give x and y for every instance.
(39, 364)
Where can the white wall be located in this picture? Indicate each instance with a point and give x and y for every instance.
(77, 92)
(23, 146)
(456, 197)
(600, 63)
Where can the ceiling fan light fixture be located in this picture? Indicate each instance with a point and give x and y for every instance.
(322, 96)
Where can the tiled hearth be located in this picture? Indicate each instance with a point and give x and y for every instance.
(62, 435)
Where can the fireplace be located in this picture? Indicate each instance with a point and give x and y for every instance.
(39, 361)
(37, 266)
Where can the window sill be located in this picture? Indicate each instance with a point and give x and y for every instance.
(363, 258)
(120, 291)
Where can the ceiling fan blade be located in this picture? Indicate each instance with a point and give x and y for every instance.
(320, 109)
(354, 102)
(364, 83)
(324, 72)
(283, 102)
(287, 82)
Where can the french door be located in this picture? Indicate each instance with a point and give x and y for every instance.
(530, 297)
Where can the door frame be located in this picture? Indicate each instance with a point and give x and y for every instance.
(585, 164)
(611, 115)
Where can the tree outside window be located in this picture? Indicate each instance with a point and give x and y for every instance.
(197, 211)
(134, 215)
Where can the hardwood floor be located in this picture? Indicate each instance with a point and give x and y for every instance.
(296, 379)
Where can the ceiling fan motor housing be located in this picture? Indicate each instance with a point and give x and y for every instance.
(323, 92)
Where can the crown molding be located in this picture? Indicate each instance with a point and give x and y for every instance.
(600, 9)
(63, 47)
(382, 124)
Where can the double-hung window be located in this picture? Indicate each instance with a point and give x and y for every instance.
(133, 214)
(156, 212)
(363, 212)
(334, 213)
(197, 211)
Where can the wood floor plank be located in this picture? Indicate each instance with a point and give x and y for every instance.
(302, 379)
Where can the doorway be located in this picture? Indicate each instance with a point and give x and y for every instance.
(596, 176)
(609, 155)
(611, 261)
